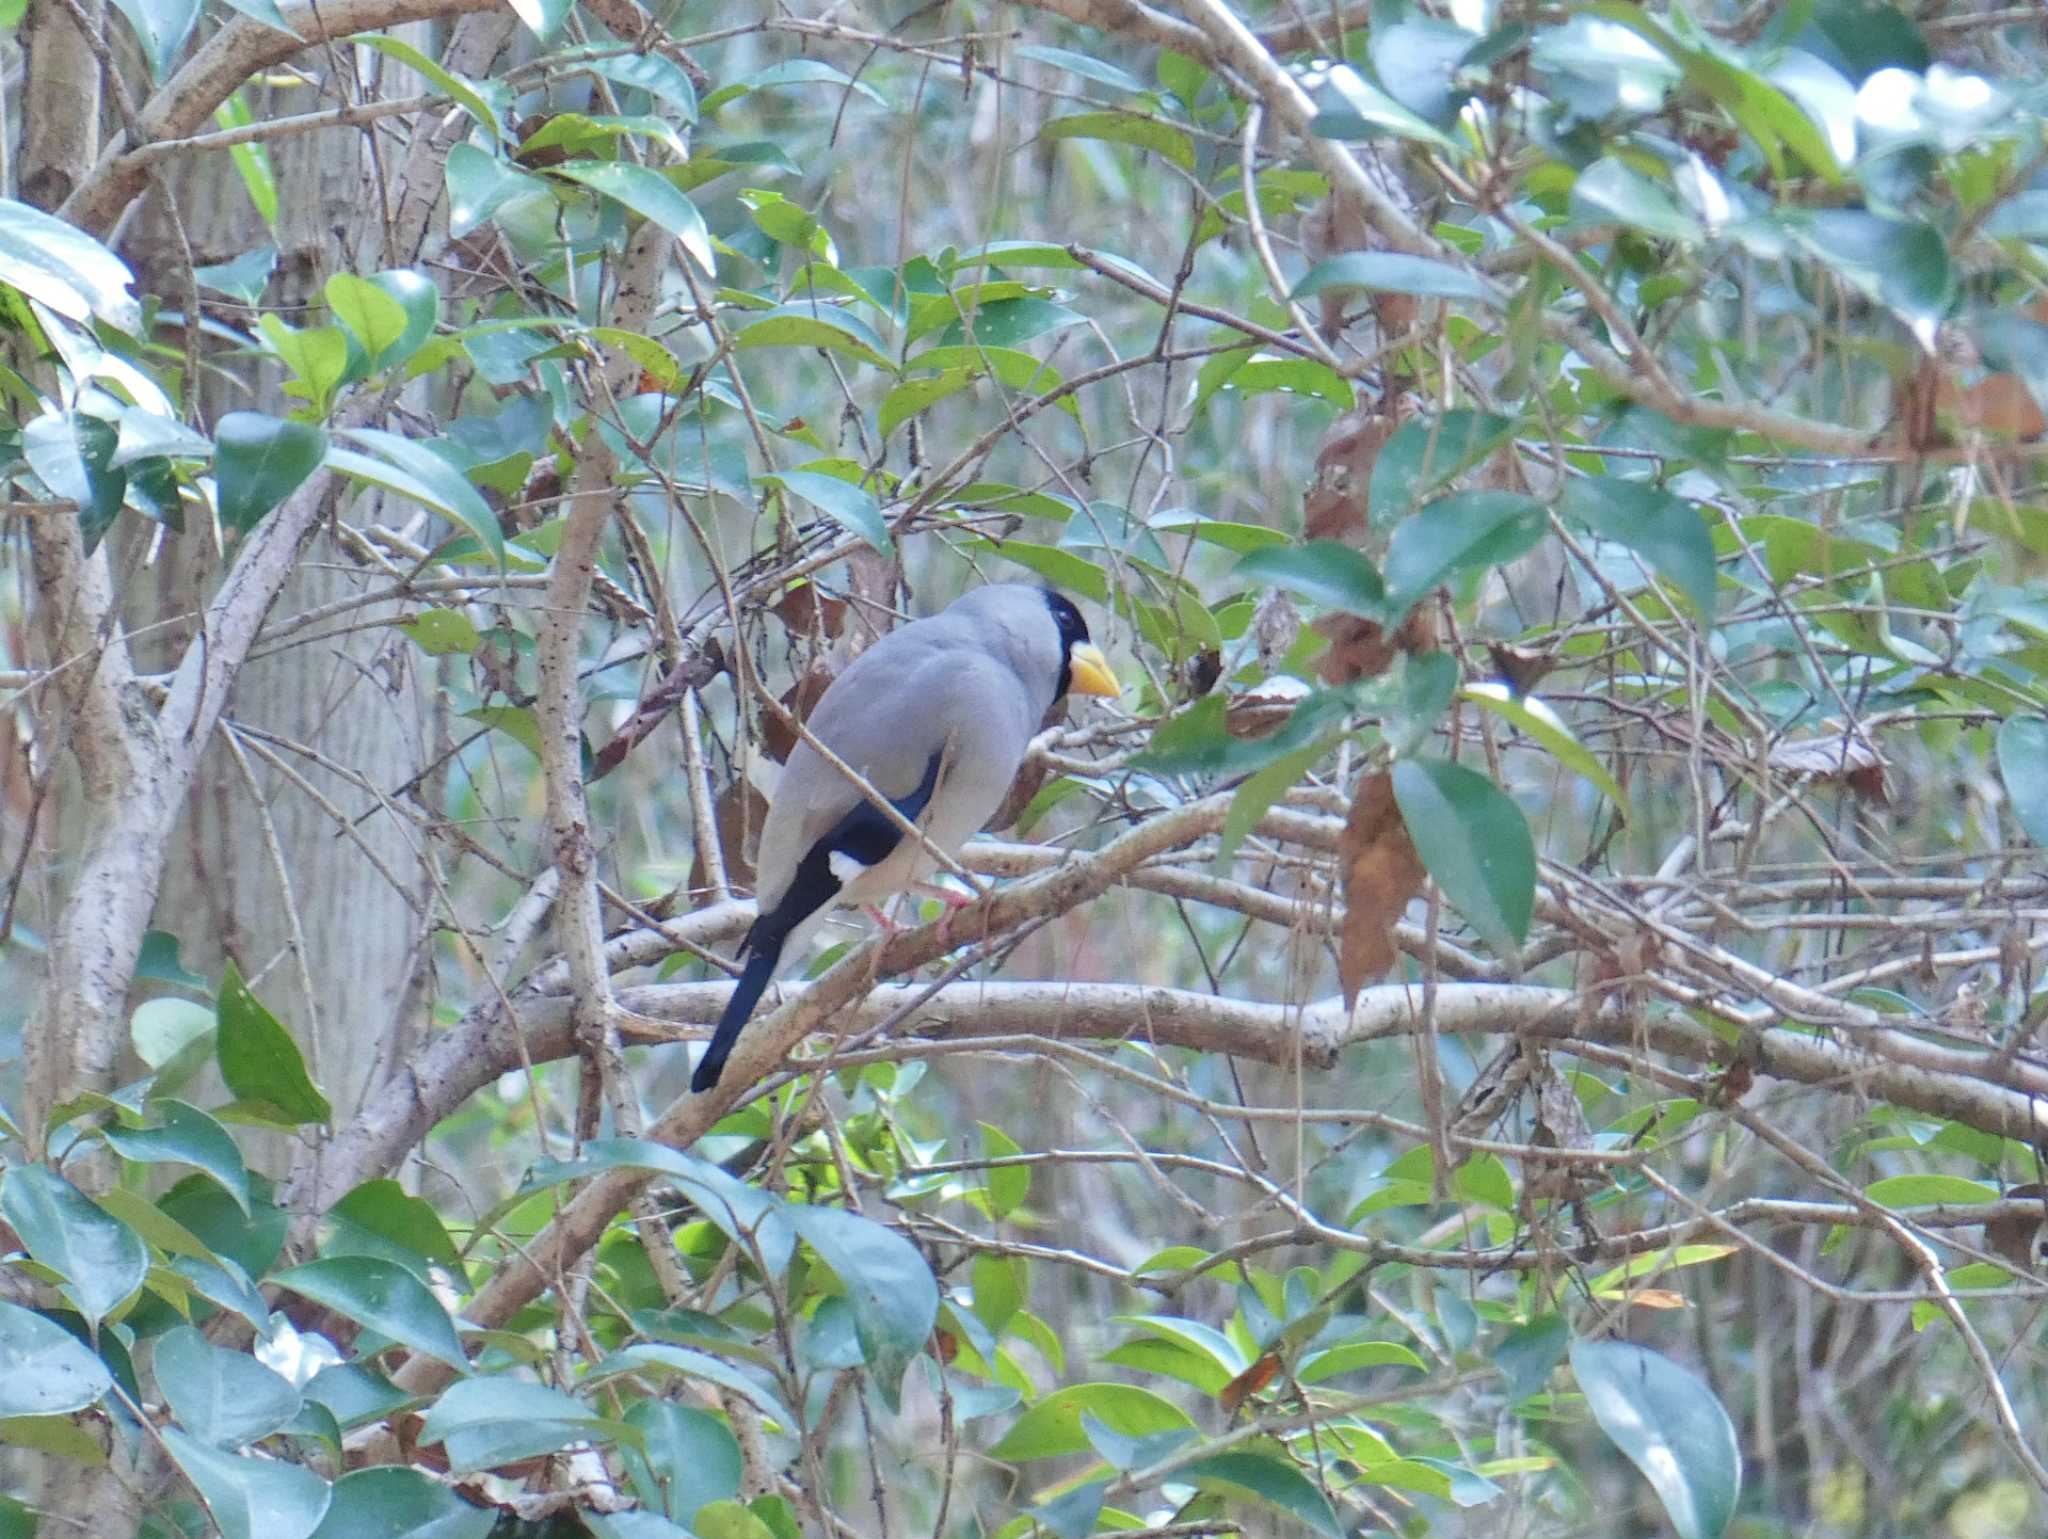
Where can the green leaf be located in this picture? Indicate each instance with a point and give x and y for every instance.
(853, 508)
(1394, 272)
(1361, 110)
(413, 470)
(1528, 1353)
(1666, 531)
(1611, 190)
(1009, 1186)
(1352, 1357)
(1538, 720)
(1475, 842)
(1101, 71)
(1147, 133)
(894, 1296)
(72, 454)
(383, 1296)
(259, 1060)
(59, 265)
(1255, 798)
(756, 1220)
(220, 1396)
(443, 632)
(259, 461)
(373, 317)
(457, 88)
(916, 395)
(790, 72)
(1052, 1427)
(1927, 1190)
(479, 184)
(814, 326)
(1325, 572)
(44, 1369)
(1903, 265)
(1671, 1427)
(650, 195)
(516, 721)
(1271, 1479)
(1427, 453)
(1197, 742)
(543, 18)
(187, 1137)
(2023, 764)
(101, 1260)
(161, 26)
(251, 1498)
(490, 1420)
(316, 356)
(384, 1210)
(390, 1501)
(649, 1357)
(1455, 533)
(421, 302)
(244, 277)
(692, 1457)
(660, 77)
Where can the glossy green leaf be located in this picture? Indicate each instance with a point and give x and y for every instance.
(1530, 1351)
(1355, 108)
(59, 265)
(1146, 133)
(1270, 1478)
(1394, 272)
(692, 1458)
(1356, 1357)
(250, 1498)
(2023, 765)
(1903, 265)
(187, 1136)
(389, 1501)
(662, 1357)
(1928, 1190)
(101, 1260)
(413, 470)
(479, 184)
(1666, 531)
(219, 1395)
(1612, 190)
(258, 462)
(894, 1296)
(259, 1060)
(748, 1216)
(1475, 842)
(1534, 717)
(315, 356)
(491, 1420)
(1671, 1427)
(1088, 67)
(650, 195)
(1007, 1186)
(1052, 1427)
(1427, 453)
(1325, 572)
(383, 1296)
(543, 18)
(72, 454)
(44, 1369)
(853, 508)
(457, 88)
(823, 326)
(386, 1211)
(917, 395)
(244, 277)
(373, 317)
(1457, 533)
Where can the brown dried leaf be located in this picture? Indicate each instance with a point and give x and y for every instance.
(2020, 1240)
(1338, 505)
(1381, 873)
(1249, 1383)
(807, 610)
(1521, 668)
(799, 700)
(1263, 709)
(1359, 649)
(739, 814)
(1853, 760)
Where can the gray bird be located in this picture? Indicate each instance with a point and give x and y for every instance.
(936, 716)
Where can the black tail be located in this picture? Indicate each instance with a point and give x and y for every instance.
(745, 995)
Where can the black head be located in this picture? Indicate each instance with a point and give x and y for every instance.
(1073, 631)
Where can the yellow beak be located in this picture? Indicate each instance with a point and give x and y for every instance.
(1089, 673)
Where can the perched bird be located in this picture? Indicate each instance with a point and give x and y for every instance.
(936, 716)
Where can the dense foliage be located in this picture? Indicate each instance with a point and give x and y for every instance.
(1521, 1022)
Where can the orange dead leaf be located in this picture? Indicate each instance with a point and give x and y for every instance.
(1338, 505)
(1359, 649)
(1249, 1383)
(1381, 873)
(1656, 1298)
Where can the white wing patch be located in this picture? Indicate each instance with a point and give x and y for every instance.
(844, 867)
